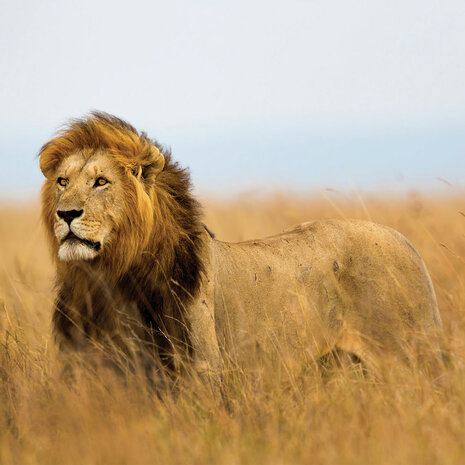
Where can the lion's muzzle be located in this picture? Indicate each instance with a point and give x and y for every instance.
(77, 240)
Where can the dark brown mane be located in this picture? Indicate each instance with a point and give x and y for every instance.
(159, 277)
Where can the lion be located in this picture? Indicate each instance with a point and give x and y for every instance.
(138, 274)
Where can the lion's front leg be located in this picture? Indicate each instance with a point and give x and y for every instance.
(206, 352)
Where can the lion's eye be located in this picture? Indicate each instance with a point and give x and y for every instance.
(62, 182)
(101, 182)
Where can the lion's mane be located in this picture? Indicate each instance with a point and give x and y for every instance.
(156, 261)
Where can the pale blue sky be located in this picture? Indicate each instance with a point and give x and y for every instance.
(308, 94)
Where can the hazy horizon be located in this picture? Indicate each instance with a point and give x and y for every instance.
(228, 162)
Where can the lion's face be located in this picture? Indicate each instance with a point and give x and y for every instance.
(88, 205)
(100, 196)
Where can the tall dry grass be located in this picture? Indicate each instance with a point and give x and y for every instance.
(273, 415)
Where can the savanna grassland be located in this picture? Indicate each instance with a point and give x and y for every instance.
(274, 414)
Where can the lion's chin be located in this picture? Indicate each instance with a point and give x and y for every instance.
(72, 250)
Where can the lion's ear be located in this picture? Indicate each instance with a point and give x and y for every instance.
(151, 165)
(48, 161)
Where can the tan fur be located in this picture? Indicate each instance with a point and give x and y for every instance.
(321, 287)
(160, 284)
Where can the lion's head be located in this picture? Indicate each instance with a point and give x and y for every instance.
(112, 194)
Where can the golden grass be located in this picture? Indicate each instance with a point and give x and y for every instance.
(273, 415)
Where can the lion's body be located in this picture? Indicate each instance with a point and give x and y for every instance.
(137, 271)
(351, 285)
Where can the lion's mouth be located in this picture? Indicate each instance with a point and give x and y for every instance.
(73, 238)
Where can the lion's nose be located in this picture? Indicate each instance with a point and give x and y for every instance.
(69, 215)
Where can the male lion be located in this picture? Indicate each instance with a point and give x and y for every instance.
(139, 274)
